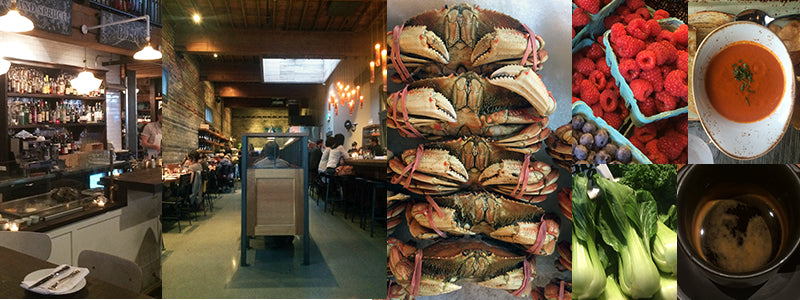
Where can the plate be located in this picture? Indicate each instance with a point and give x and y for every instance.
(699, 153)
(743, 141)
(44, 272)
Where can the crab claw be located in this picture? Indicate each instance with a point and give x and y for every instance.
(526, 83)
(425, 102)
(438, 162)
(508, 172)
(419, 44)
(526, 233)
(502, 44)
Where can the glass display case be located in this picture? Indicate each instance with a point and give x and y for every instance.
(274, 187)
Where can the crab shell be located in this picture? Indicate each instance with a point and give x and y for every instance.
(452, 261)
(462, 38)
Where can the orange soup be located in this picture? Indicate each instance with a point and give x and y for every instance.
(744, 82)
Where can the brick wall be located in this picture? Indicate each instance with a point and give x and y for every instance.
(245, 120)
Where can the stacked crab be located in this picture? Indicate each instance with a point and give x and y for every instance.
(472, 92)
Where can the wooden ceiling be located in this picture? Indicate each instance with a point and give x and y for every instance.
(241, 32)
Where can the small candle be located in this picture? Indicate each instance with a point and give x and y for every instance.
(101, 203)
(372, 72)
(383, 56)
(13, 227)
(378, 54)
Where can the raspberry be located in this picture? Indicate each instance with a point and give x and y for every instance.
(608, 100)
(611, 84)
(591, 6)
(641, 89)
(645, 133)
(651, 147)
(636, 143)
(665, 101)
(628, 46)
(598, 79)
(646, 59)
(675, 83)
(658, 158)
(653, 28)
(602, 66)
(589, 92)
(595, 52)
(636, 28)
(580, 18)
(683, 61)
(597, 111)
(629, 69)
(628, 18)
(609, 21)
(623, 111)
(634, 4)
(575, 99)
(672, 52)
(683, 158)
(654, 77)
(672, 144)
(617, 31)
(682, 35)
(585, 66)
(576, 82)
(662, 53)
(666, 35)
(648, 107)
(660, 14)
(682, 124)
(600, 41)
(613, 119)
(643, 12)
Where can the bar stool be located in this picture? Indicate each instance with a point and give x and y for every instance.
(347, 199)
(375, 186)
(331, 183)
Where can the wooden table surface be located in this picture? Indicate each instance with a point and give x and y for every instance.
(14, 266)
(369, 168)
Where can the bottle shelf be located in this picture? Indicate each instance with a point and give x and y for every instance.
(34, 126)
(54, 96)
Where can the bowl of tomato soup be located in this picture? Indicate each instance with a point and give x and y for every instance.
(744, 89)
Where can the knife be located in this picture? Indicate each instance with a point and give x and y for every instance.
(48, 277)
(59, 281)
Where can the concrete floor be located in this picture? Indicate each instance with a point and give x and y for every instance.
(203, 260)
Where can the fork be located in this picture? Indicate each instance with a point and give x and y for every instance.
(55, 285)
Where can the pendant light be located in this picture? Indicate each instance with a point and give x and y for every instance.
(147, 53)
(14, 22)
(85, 83)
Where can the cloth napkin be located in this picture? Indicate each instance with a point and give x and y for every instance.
(64, 285)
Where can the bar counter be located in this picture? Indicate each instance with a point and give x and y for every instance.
(16, 265)
(374, 169)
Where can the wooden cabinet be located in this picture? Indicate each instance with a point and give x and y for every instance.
(275, 201)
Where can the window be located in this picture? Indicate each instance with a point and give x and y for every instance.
(209, 115)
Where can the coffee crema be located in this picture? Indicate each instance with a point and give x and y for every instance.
(738, 227)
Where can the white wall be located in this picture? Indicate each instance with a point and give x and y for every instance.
(367, 115)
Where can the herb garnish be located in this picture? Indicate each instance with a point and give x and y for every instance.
(742, 73)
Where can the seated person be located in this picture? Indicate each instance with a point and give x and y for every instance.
(375, 147)
(270, 158)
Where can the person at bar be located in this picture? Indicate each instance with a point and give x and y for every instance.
(375, 147)
(353, 148)
(151, 137)
(323, 162)
(314, 156)
(337, 154)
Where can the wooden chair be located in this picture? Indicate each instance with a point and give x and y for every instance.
(112, 269)
(35, 244)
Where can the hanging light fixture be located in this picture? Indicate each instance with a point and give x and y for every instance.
(14, 22)
(147, 53)
(85, 83)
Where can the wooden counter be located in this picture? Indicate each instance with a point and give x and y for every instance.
(15, 266)
(374, 169)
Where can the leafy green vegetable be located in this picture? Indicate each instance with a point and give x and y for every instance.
(660, 180)
(588, 279)
(669, 288)
(627, 226)
(665, 249)
(612, 291)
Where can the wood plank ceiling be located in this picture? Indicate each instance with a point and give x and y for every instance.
(241, 32)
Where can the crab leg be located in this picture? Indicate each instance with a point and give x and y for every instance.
(526, 83)
(527, 234)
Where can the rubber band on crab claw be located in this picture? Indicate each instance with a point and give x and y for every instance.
(540, 237)
(561, 291)
(410, 168)
(417, 275)
(523, 178)
(526, 267)
(401, 96)
(433, 207)
(395, 55)
(531, 47)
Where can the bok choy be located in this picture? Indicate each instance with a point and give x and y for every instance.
(588, 277)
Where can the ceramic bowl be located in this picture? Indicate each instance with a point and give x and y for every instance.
(781, 181)
(743, 141)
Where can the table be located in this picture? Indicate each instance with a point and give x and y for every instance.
(374, 169)
(16, 265)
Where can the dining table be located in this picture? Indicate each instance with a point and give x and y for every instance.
(14, 266)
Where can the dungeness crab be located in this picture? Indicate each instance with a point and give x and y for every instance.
(512, 104)
(442, 168)
(438, 268)
(462, 38)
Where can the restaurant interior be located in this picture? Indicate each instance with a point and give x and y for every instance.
(79, 201)
(248, 85)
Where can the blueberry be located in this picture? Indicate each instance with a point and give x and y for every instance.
(580, 152)
(588, 127)
(601, 138)
(577, 122)
(587, 139)
(602, 157)
(624, 154)
(610, 148)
